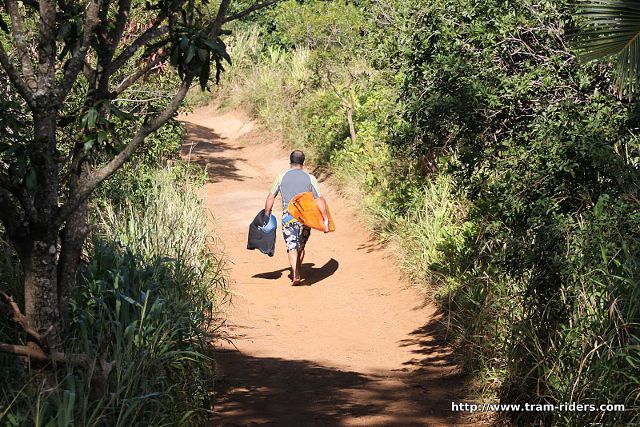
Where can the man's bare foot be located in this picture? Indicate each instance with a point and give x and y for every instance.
(296, 282)
(326, 225)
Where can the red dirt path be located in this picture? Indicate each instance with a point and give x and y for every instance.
(355, 346)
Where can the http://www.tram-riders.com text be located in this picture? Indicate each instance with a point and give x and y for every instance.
(536, 407)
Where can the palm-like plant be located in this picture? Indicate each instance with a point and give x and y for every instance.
(613, 30)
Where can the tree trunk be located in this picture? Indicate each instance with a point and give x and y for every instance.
(72, 242)
(41, 290)
(352, 127)
(40, 262)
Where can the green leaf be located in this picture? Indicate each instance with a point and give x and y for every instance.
(89, 119)
(190, 52)
(31, 180)
(204, 75)
(203, 55)
(88, 144)
(614, 31)
(102, 136)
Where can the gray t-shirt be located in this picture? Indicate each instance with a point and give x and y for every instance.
(293, 182)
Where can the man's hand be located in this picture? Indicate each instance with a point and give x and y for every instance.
(322, 205)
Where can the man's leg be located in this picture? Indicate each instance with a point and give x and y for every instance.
(293, 260)
(296, 236)
(300, 259)
(303, 237)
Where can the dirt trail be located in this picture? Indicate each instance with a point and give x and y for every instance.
(355, 346)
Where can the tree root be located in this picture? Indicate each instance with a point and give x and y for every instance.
(39, 350)
(11, 310)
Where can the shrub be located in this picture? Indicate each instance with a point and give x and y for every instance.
(504, 167)
(145, 304)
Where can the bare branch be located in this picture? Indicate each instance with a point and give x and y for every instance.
(15, 79)
(21, 45)
(88, 71)
(47, 46)
(21, 319)
(39, 355)
(23, 196)
(77, 61)
(29, 207)
(257, 6)
(220, 17)
(8, 211)
(126, 83)
(124, 6)
(144, 38)
(95, 178)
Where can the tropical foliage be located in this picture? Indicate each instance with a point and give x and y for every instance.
(613, 30)
(499, 161)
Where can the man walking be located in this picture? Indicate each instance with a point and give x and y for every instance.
(289, 184)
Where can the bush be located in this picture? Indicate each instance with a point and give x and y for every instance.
(548, 160)
(145, 304)
(135, 179)
(500, 163)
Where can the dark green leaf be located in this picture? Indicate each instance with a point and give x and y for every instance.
(31, 180)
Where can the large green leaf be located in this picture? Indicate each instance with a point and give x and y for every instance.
(614, 30)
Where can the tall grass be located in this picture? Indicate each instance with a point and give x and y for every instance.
(433, 222)
(528, 335)
(145, 307)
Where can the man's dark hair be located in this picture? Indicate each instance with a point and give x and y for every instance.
(296, 158)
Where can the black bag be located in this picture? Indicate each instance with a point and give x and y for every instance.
(258, 239)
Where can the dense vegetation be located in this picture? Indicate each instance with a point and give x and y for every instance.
(108, 299)
(145, 303)
(503, 167)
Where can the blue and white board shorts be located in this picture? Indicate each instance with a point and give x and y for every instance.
(294, 232)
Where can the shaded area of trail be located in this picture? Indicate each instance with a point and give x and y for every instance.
(356, 346)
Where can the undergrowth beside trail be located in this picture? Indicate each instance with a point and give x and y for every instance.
(500, 165)
(145, 308)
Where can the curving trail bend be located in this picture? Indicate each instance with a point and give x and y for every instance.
(355, 346)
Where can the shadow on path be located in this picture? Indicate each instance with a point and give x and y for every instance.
(428, 342)
(254, 390)
(310, 274)
(206, 148)
(273, 391)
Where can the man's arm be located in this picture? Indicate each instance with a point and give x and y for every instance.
(322, 204)
(268, 204)
(273, 192)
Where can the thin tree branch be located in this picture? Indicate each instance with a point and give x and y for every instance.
(130, 80)
(77, 61)
(124, 7)
(47, 47)
(21, 319)
(39, 355)
(220, 17)
(14, 77)
(95, 178)
(142, 40)
(257, 6)
(21, 45)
